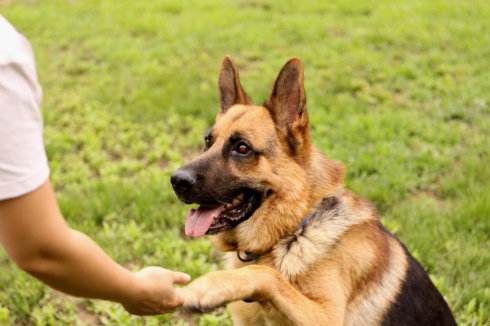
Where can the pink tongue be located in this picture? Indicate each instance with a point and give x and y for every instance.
(199, 220)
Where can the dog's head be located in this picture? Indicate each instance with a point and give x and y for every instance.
(255, 164)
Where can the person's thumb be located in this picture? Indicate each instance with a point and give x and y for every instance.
(180, 278)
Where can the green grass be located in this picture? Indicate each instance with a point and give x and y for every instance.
(398, 90)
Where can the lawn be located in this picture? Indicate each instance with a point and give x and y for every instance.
(397, 90)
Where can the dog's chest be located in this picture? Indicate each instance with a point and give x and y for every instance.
(253, 313)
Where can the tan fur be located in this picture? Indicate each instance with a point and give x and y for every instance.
(340, 270)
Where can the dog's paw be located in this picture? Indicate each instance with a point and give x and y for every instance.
(204, 296)
(213, 290)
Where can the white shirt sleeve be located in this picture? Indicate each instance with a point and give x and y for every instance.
(23, 162)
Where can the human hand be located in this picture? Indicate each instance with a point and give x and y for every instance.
(153, 291)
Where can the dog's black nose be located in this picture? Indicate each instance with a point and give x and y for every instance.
(182, 180)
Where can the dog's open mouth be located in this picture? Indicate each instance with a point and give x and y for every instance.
(212, 219)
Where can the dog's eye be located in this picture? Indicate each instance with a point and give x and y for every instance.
(241, 149)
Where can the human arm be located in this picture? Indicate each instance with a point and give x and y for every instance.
(37, 238)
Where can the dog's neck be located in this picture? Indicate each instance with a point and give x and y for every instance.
(323, 178)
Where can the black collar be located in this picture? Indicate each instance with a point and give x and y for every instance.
(247, 256)
(326, 203)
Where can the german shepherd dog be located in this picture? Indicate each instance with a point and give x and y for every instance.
(301, 249)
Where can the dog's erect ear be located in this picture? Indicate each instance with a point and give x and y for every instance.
(287, 102)
(230, 90)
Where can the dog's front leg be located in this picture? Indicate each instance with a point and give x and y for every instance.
(265, 286)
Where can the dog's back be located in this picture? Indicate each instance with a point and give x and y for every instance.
(402, 294)
(418, 302)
